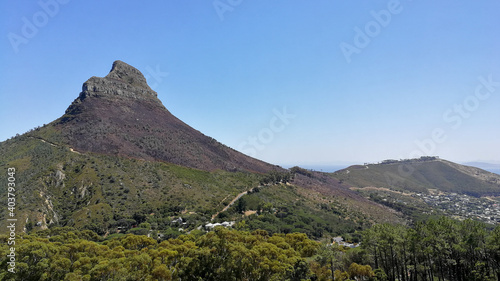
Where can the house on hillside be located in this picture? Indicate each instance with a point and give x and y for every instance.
(209, 226)
(340, 241)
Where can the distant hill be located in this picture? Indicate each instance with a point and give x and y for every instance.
(422, 175)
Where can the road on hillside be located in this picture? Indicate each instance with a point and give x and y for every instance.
(232, 202)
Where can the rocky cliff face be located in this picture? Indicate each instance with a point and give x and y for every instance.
(120, 115)
(123, 81)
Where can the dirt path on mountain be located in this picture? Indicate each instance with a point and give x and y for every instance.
(54, 145)
(232, 202)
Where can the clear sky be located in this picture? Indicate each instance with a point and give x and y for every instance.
(289, 82)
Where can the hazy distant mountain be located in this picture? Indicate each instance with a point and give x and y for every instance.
(491, 167)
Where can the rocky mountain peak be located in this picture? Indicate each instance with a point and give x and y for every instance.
(120, 115)
(123, 81)
(128, 74)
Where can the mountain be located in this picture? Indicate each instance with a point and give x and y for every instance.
(120, 115)
(118, 161)
(423, 175)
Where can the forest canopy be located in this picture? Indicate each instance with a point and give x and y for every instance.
(440, 249)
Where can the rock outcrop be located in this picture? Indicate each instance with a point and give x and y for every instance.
(123, 81)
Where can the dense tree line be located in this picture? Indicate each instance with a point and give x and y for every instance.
(223, 254)
(439, 249)
(276, 177)
(62, 254)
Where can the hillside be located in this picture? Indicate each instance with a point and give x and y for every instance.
(119, 161)
(428, 186)
(421, 176)
(105, 193)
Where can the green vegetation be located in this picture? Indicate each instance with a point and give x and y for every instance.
(68, 254)
(441, 249)
(113, 194)
(275, 177)
(103, 193)
(282, 209)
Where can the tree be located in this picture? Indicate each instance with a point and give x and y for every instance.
(493, 250)
(360, 272)
(379, 275)
(241, 206)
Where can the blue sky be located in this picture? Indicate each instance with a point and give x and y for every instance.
(289, 82)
